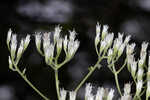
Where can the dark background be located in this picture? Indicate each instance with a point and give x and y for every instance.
(29, 16)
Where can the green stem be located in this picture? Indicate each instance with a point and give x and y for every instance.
(64, 62)
(57, 84)
(30, 84)
(122, 67)
(117, 84)
(88, 75)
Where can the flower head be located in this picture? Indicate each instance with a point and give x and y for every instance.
(57, 33)
(130, 48)
(63, 94)
(38, 37)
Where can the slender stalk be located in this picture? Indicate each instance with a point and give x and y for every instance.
(88, 75)
(85, 78)
(30, 84)
(57, 84)
(117, 84)
(116, 79)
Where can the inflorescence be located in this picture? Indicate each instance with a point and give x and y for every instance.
(51, 44)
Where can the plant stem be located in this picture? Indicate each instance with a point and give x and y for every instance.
(88, 75)
(57, 84)
(30, 84)
(117, 84)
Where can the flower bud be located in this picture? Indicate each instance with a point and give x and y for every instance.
(20, 50)
(13, 46)
(26, 41)
(9, 36)
(38, 37)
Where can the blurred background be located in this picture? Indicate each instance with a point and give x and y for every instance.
(30, 16)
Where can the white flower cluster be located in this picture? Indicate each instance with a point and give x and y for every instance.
(70, 45)
(136, 68)
(102, 94)
(12, 44)
(106, 42)
(63, 94)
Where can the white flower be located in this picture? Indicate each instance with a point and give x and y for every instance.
(63, 94)
(57, 33)
(118, 42)
(103, 45)
(72, 35)
(100, 94)
(104, 31)
(88, 90)
(65, 43)
(98, 29)
(46, 40)
(91, 97)
(97, 39)
(130, 48)
(59, 44)
(127, 39)
(72, 95)
(144, 47)
(49, 53)
(130, 59)
(9, 36)
(72, 47)
(20, 50)
(110, 54)
(133, 67)
(13, 45)
(38, 37)
(26, 41)
(126, 97)
(110, 95)
(140, 73)
(127, 89)
(109, 38)
(139, 86)
(121, 49)
(141, 62)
